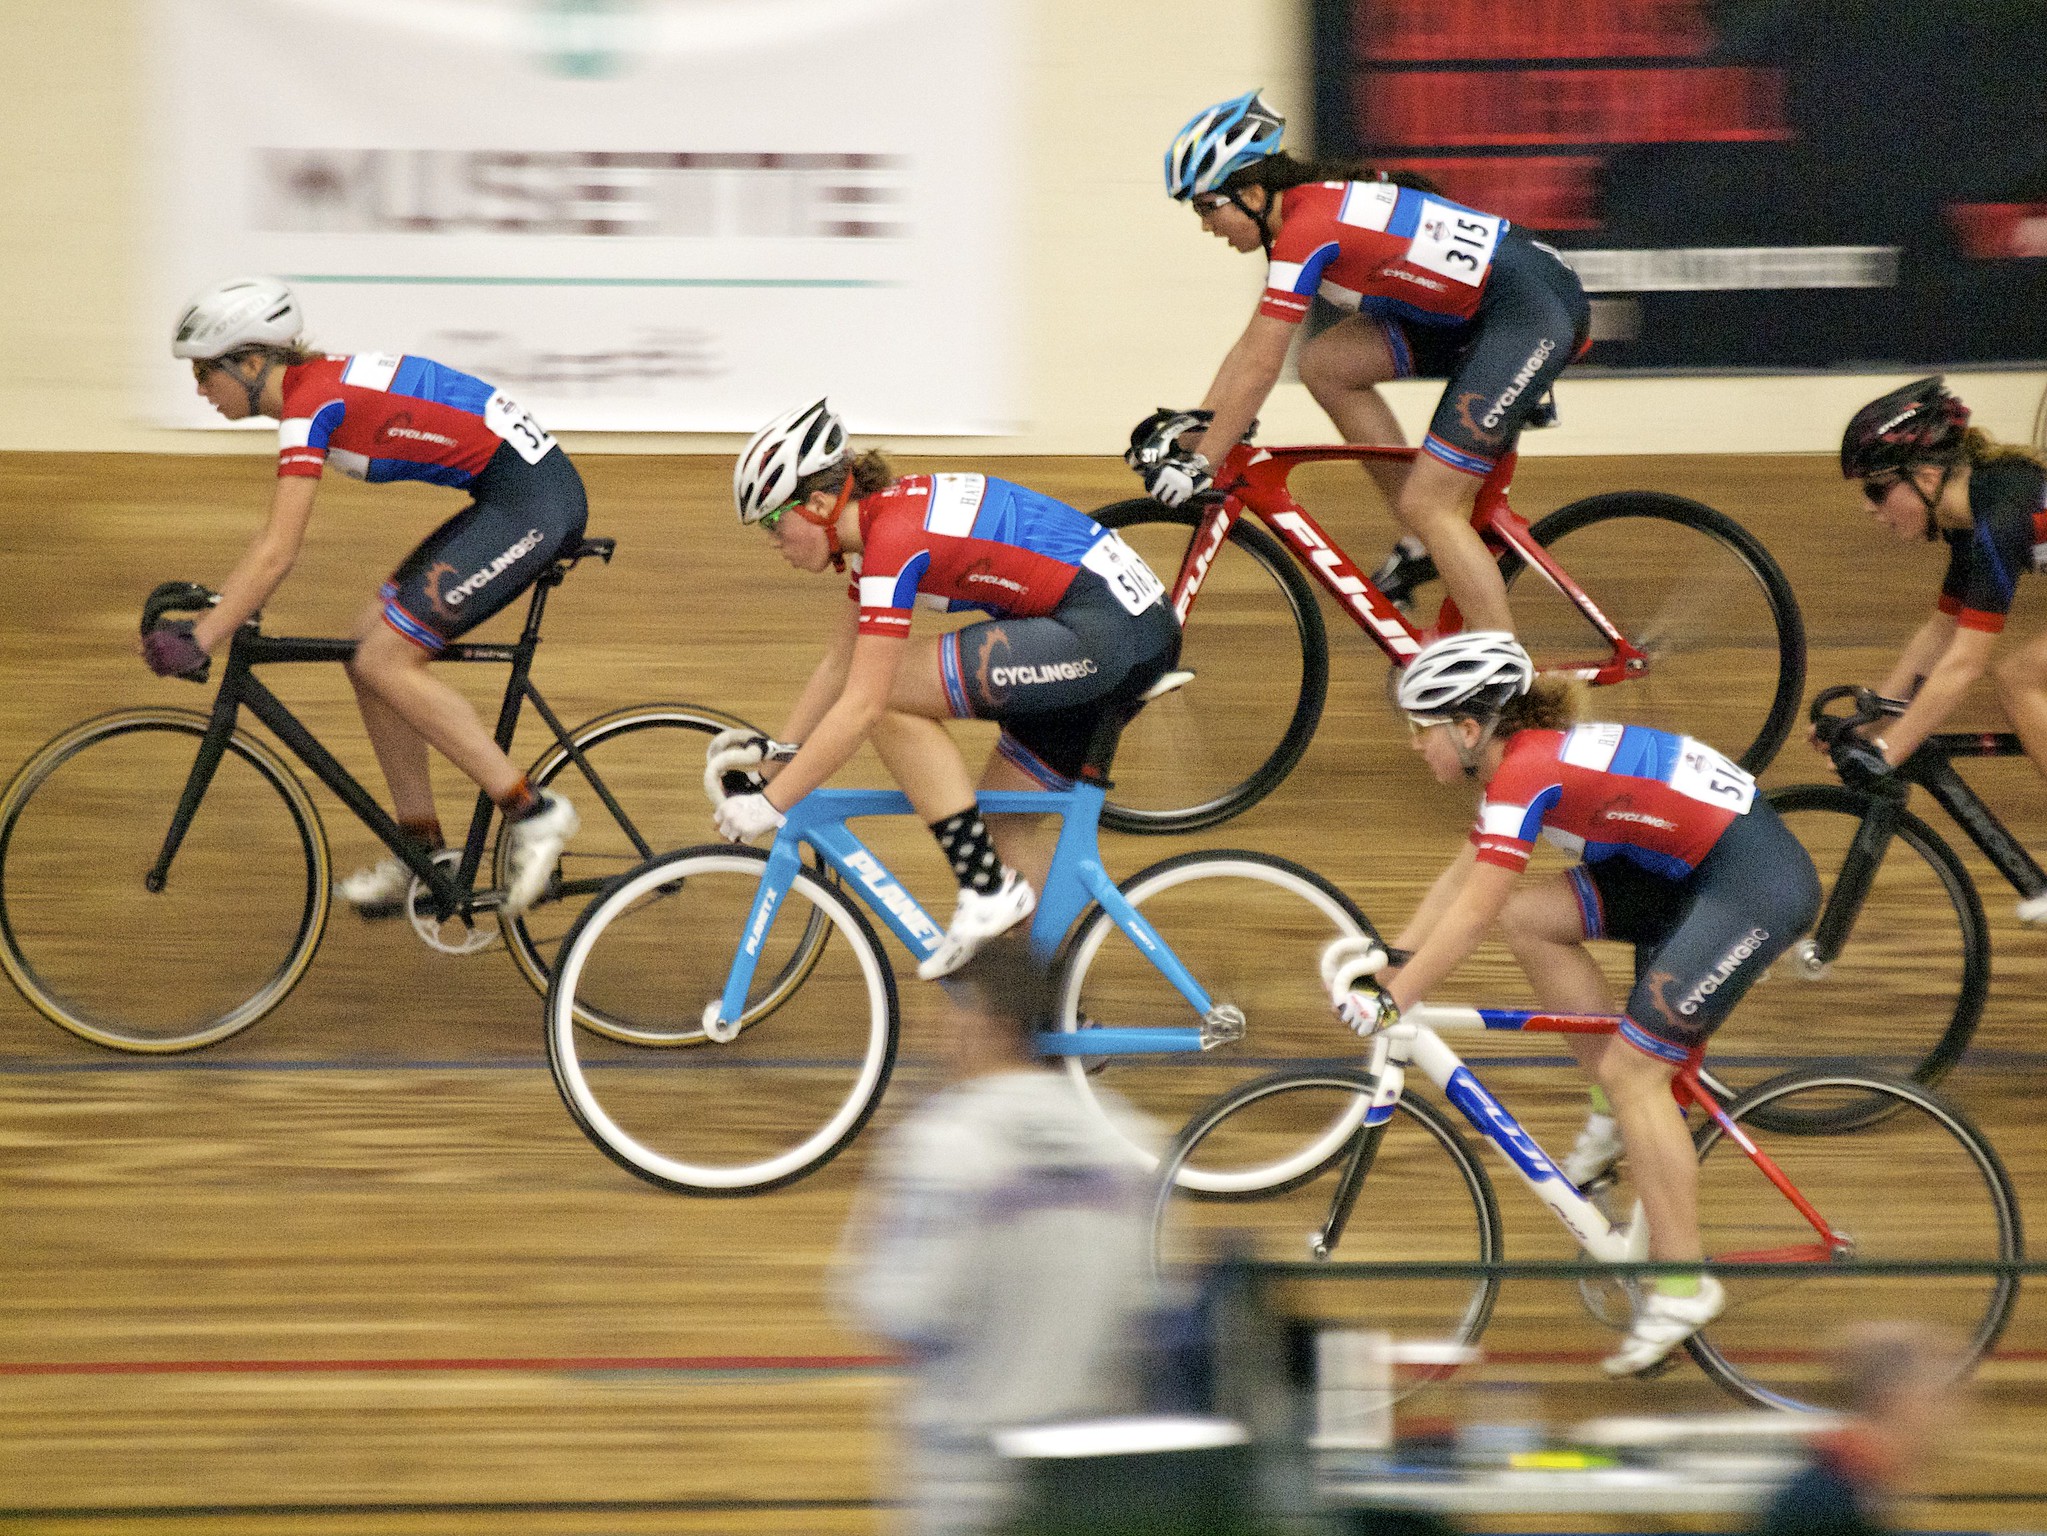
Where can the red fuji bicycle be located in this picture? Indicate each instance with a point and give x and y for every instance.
(1666, 594)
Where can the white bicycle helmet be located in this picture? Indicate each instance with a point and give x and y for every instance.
(1472, 674)
(794, 445)
(241, 312)
(1220, 141)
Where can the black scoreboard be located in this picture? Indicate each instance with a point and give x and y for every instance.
(1741, 184)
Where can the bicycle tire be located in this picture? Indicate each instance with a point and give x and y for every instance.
(1916, 936)
(781, 1100)
(1751, 1350)
(1191, 736)
(214, 882)
(648, 757)
(1699, 625)
(1103, 978)
(1387, 1216)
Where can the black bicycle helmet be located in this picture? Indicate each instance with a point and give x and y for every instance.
(1908, 426)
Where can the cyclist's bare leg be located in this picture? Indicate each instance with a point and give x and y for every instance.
(1435, 506)
(1342, 368)
(1660, 1156)
(1544, 926)
(2021, 678)
(922, 757)
(1025, 842)
(403, 705)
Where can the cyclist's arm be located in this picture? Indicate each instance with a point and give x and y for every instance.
(826, 683)
(1242, 383)
(1963, 660)
(1456, 933)
(1438, 899)
(1925, 647)
(870, 679)
(264, 565)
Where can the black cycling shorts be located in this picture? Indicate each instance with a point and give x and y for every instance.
(470, 567)
(1065, 684)
(1532, 319)
(1701, 942)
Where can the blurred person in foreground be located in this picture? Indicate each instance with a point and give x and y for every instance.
(1901, 1382)
(1002, 1242)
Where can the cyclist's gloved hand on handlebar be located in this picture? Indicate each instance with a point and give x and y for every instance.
(732, 761)
(746, 817)
(1367, 1012)
(1178, 479)
(170, 651)
(1157, 438)
(1862, 765)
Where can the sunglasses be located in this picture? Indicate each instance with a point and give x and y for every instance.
(1208, 203)
(769, 521)
(1877, 487)
(1416, 726)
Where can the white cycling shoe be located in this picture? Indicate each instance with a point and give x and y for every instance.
(2033, 911)
(1595, 1152)
(1661, 1324)
(976, 919)
(377, 891)
(534, 848)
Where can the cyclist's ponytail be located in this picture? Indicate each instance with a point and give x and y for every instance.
(871, 472)
(1979, 447)
(1278, 172)
(1552, 703)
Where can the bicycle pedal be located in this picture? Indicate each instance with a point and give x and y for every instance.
(1658, 1368)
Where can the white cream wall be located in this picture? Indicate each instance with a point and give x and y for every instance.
(1125, 305)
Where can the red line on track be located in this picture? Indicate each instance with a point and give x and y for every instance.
(700, 1363)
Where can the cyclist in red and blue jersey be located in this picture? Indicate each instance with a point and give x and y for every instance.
(1077, 632)
(1927, 474)
(1436, 290)
(378, 417)
(1680, 858)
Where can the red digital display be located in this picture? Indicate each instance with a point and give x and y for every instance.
(1444, 30)
(1444, 109)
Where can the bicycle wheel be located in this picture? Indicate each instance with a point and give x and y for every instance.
(239, 915)
(1255, 643)
(1697, 593)
(649, 759)
(694, 1115)
(1251, 928)
(1407, 1191)
(1760, 1348)
(1900, 921)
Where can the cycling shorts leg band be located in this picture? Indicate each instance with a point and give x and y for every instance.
(1653, 1045)
(1023, 757)
(408, 626)
(1590, 909)
(956, 698)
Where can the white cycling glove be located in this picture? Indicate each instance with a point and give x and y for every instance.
(743, 818)
(1367, 1012)
(1179, 479)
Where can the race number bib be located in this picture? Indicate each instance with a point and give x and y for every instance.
(1704, 775)
(1454, 242)
(1127, 575)
(515, 424)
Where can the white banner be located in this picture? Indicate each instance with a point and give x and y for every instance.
(642, 215)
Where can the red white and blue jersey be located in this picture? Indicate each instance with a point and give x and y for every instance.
(955, 542)
(1611, 791)
(377, 417)
(1388, 250)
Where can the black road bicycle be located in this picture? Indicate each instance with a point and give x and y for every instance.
(1901, 946)
(165, 879)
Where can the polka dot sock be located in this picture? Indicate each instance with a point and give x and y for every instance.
(964, 838)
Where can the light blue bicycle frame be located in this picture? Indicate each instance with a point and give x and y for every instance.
(1077, 878)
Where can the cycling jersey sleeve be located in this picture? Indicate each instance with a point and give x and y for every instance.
(311, 417)
(1956, 581)
(2007, 537)
(1521, 794)
(895, 555)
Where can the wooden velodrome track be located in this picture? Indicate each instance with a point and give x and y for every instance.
(357, 1270)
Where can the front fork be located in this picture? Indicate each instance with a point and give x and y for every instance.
(212, 748)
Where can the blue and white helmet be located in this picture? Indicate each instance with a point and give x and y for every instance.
(1220, 141)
